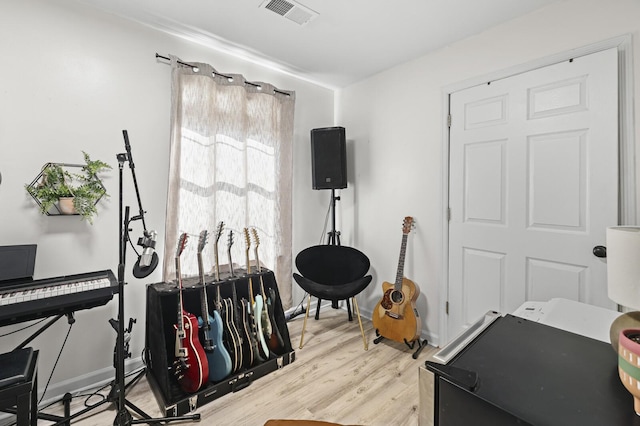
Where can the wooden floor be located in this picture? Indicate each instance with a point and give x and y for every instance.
(332, 379)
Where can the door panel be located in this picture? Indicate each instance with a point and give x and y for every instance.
(484, 185)
(557, 181)
(533, 185)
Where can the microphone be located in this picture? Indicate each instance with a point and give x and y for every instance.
(148, 261)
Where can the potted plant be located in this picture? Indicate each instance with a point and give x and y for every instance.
(70, 193)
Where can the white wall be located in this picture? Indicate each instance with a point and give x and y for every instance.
(72, 79)
(395, 121)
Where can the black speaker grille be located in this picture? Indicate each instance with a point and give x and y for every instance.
(329, 158)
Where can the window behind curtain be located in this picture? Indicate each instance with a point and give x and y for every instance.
(231, 161)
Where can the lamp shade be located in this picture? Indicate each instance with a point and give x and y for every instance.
(623, 265)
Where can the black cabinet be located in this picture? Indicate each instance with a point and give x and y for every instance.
(526, 373)
(162, 307)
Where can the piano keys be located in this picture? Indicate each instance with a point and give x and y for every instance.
(36, 299)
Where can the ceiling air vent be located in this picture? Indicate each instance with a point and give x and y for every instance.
(290, 10)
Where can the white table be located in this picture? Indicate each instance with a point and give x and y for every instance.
(575, 317)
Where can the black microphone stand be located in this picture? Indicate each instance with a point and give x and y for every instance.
(123, 416)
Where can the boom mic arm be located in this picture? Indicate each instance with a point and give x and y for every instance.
(148, 260)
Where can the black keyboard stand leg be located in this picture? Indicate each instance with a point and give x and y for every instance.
(39, 332)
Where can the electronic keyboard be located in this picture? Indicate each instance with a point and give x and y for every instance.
(34, 299)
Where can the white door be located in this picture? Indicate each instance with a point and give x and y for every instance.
(533, 186)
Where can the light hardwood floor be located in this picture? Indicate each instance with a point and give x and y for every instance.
(332, 379)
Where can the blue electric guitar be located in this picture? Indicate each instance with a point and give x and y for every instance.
(211, 325)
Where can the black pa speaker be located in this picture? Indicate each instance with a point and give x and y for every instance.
(329, 158)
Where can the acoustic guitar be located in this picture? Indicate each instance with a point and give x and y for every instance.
(218, 356)
(395, 316)
(190, 367)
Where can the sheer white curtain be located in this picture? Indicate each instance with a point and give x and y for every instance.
(230, 161)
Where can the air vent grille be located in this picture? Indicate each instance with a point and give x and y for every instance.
(280, 7)
(291, 10)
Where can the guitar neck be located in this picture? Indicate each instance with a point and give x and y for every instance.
(264, 294)
(252, 300)
(246, 252)
(230, 262)
(216, 262)
(258, 267)
(400, 272)
(180, 306)
(205, 304)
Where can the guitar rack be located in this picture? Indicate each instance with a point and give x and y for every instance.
(162, 301)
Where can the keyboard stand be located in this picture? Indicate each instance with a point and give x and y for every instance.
(66, 399)
(44, 327)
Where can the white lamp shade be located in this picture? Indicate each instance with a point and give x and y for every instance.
(623, 265)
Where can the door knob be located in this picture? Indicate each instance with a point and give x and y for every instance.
(600, 251)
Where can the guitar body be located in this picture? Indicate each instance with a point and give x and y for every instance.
(257, 315)
(194, 368)
(276, 343)
(245, 334)
(395, 316)
(253, 334)
(234, 342)
(217, 356)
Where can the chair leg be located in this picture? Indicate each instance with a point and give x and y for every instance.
(318, 309)
(304, 324)
(364, 338)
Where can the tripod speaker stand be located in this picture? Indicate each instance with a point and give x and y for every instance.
(334, 236)
(334, 240)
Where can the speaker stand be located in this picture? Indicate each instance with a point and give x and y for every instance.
(334, 240)
(334, 236)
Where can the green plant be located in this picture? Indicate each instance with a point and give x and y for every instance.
(56, 181)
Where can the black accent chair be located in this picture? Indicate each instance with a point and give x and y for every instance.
(335, 273)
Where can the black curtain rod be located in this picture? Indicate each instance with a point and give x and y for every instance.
(222, 75)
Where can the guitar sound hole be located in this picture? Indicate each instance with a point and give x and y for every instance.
(397, 296)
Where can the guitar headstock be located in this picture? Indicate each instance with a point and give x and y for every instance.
(230, 241)
(202, 241)
(256, 243)
(219, 229)
(247, 239)
(407, 225)
(256, 239)
(182, 243)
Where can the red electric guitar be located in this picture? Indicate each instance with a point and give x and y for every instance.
(190, 367)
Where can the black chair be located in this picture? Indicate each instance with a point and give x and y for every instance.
(333, 273)
(19, 385)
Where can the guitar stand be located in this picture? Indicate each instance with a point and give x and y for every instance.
(421, 344)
